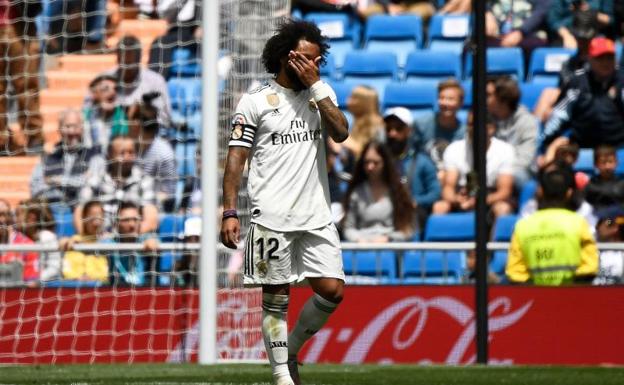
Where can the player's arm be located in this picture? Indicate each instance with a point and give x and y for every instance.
(234, 166)
(331, 117)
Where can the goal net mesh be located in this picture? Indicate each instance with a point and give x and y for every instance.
(100, 216)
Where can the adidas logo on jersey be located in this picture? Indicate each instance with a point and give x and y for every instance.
(276, 112)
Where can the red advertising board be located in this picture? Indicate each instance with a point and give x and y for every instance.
(375, 324)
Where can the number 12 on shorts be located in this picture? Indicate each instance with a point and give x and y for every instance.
(272, 244)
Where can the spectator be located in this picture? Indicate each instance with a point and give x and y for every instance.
(25, 262)
(155, 155)
(610, 229)
(514, 124)
(35, 220)
(378, 208)
(183, 19)
(134, 81)
(423, 8)
(121, 179)
(561, 16)
(471, 269)
(415, 168)
(191, 194)
(129, 267)
(592, 111)
(81, 266)
(518, 23)
(74, 25)
(605, 189)
(105, 118)
(20, 67)
(459, 184)
(457, 6)
(61, 174)
(436, 131)
(564, 160)
(307, 6)
(553, 246)
(363, 104)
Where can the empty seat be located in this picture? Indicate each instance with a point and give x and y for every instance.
(185, 158)
(170, 226)
(433, 267)
(585, 161)
(328, 70)
(64, 223)
(397, 34)
(380, 264)
(185, 95)
(530, 94)
(343, 91)
(417, 98)
(448, 32)
(619, 170)
(500, 61)
(342, 30)
(527, 192)
(499, 262)
(503, 229)
(185, 63)
(546, 63)
(432, 66)
(375, 69)
(453, 227)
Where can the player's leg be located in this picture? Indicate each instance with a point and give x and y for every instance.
(275, 330)
(320, 261)
(267, 262)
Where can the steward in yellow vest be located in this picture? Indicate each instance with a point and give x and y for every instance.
(554, 246)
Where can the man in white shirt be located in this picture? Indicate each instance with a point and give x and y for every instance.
(459, 185)
(280, 127)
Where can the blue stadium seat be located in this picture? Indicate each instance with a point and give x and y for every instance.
(433, 267)
(500, 61)
(185, 158)
(453, 227)
(585, 161)
(530, 93)
(425, 65)
(343, 91)
(545, 64)
(185, 95)
(397, 34)
(417, 98)
(375, 69)
(527, 192)
(184, 63)
(498, 262)
(467, 86)
(170, 226)
(64, 219)
(328, 70)
(448, 32)
(619, 170)
(342, 30)
(503, 229)
(375, 263)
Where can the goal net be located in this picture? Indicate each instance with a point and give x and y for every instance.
(100, 214)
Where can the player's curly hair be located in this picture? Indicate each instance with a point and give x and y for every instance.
(286, 39)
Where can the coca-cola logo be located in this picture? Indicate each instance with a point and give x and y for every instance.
(239, 335)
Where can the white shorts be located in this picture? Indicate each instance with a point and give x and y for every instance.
(276, 258)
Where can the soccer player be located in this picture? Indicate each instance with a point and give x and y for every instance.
(280, 127)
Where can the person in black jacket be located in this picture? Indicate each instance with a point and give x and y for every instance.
(592, 111)
(605, 189)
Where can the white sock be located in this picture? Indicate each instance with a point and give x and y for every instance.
(315, 313)
(275, 332)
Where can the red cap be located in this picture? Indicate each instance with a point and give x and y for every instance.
(601, 46)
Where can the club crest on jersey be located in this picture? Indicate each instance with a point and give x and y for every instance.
(273, 100)
(312, 105)
(238, 123)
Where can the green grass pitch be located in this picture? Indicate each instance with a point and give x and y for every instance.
(226, 374)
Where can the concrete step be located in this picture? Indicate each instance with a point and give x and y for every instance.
(59, 79)
(55, 97)
(87, 63)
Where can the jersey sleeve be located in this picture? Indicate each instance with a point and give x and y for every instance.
(516, 270)
(589, 252)
(244, 123)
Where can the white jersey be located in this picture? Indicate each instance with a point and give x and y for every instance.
(287, 182)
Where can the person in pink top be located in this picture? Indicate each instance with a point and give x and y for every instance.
(10, 236)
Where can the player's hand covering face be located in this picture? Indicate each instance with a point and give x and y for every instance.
(303, 65)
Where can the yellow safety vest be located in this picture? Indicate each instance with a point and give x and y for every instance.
(551, 247)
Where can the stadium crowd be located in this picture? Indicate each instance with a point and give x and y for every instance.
(122, 163)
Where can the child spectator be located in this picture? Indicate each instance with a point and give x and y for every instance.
(26, 262)
(104, 117)
(610, 228)
(377, 207)
(605, 189)
(35, 220)
(81, 266)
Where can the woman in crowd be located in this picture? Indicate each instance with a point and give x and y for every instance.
(377, 207)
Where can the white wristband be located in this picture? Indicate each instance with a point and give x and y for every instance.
(320, 90)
